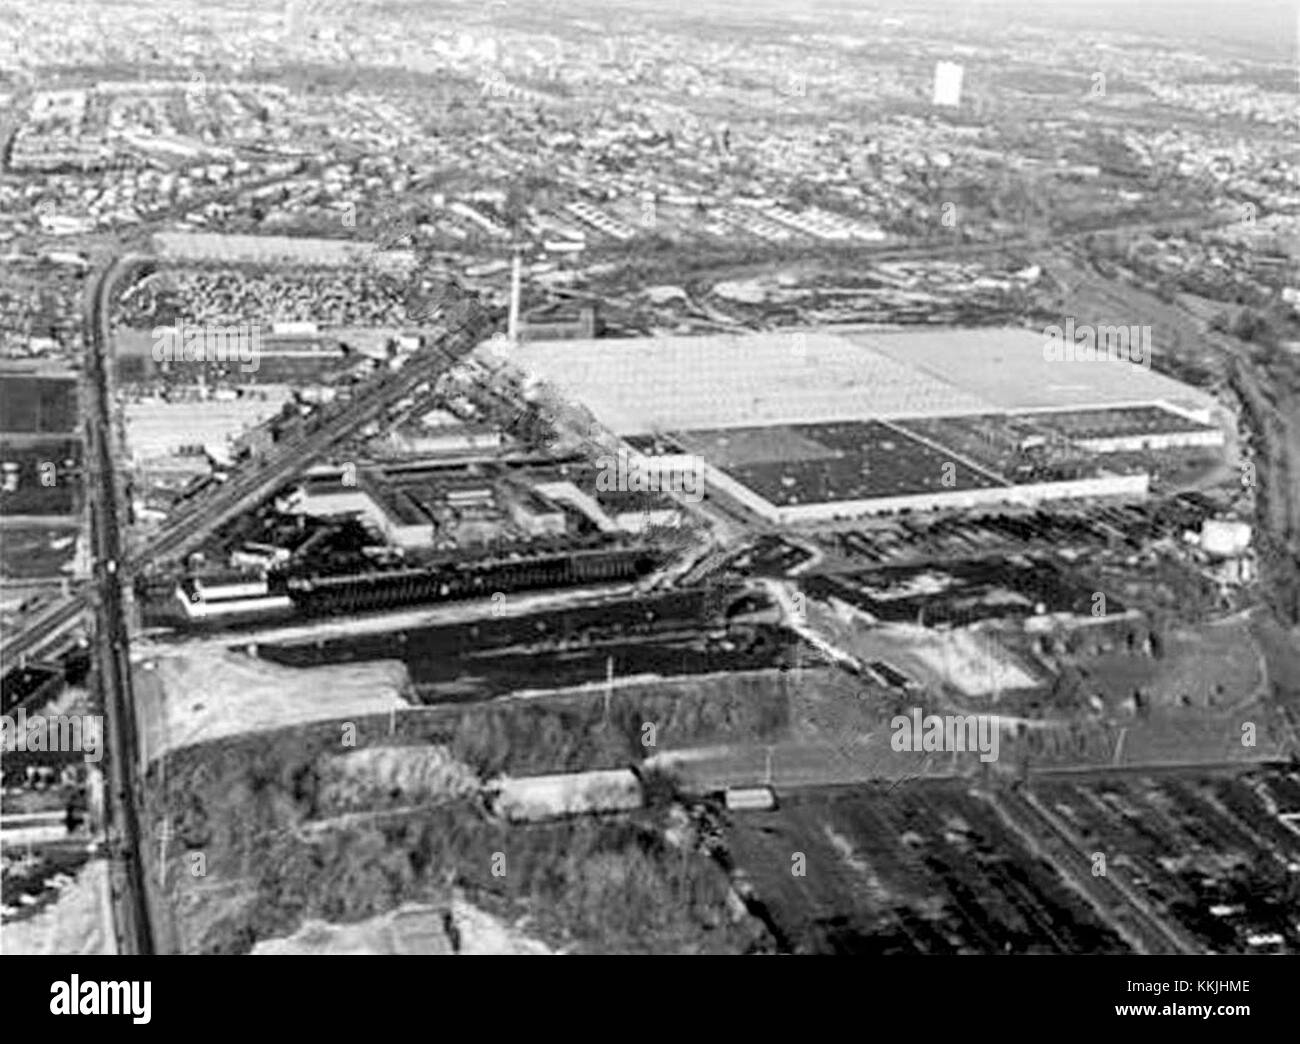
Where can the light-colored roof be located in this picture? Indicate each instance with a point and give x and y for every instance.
(1007, 368)
(636, 386)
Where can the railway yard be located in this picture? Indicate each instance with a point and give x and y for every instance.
(1170, 862)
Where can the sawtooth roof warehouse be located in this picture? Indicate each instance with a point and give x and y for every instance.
(814, 425)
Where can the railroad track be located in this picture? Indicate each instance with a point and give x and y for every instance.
(1119, 905)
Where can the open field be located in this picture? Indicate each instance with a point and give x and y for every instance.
(192, 698)
(45, 405)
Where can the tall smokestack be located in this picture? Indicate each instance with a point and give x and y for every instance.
(516, 280)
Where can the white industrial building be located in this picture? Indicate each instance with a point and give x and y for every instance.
(658, 385)
(207, 600)
(932, 500)
(329, 500)
(532, 798)
(1225, 538)
(533, 513)
(636, 386)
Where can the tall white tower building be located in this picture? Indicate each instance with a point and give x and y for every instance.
(947, 84)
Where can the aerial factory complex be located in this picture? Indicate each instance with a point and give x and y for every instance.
(597, 479)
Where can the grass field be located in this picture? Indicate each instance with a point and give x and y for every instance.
(38, 405)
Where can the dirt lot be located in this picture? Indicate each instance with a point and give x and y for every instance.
(192, 695)
(413, 928)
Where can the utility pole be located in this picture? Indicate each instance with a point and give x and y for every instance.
(164, 835)
(516, 290)
(609, 684)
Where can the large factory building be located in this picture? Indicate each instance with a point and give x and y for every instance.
(802, 426)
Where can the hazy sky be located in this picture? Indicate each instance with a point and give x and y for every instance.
(1267, 29)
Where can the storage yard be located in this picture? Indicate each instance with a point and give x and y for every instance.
(963, 592)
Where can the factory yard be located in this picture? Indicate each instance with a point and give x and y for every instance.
(569, 645)
(490, 675)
